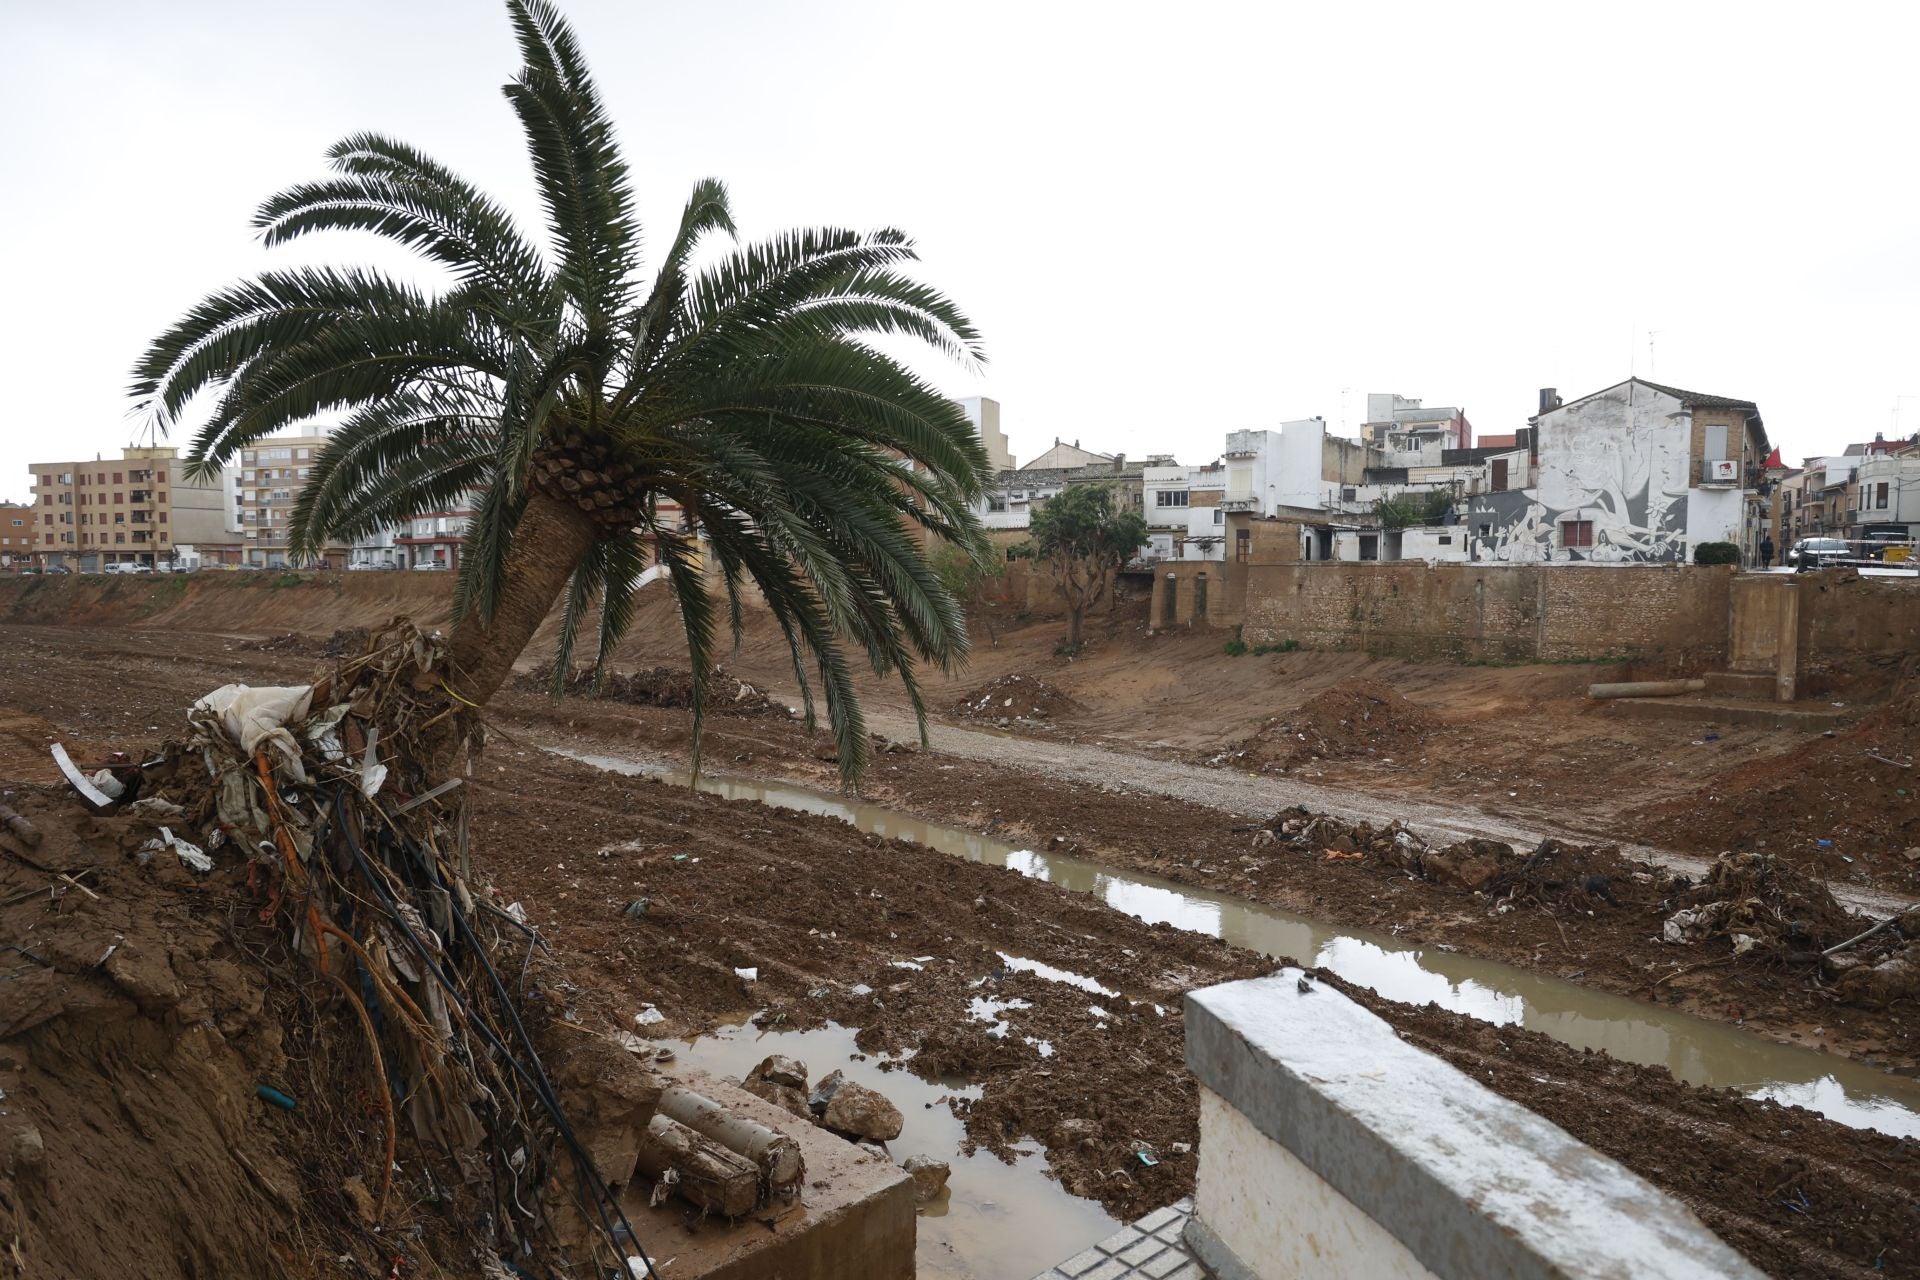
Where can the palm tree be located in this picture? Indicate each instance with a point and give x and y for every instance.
(575, 405)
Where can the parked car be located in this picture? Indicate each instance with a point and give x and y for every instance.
(1809, 554)
(128, 566)
(431, 564)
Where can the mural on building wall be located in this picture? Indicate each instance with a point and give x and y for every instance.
(1627, 527)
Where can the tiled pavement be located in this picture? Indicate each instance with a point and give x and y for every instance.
(1150, 1249)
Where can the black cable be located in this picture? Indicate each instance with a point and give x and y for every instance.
(536, 1079)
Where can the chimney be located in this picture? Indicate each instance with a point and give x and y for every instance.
(1549, 399)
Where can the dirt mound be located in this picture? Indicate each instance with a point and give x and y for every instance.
(1358, 718)
(1017, 699)
(1847, 806)
(343, 643)
(1555, 873)
(1751, 907)
(668, 687)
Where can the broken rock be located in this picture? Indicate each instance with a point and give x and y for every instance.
(779, 1069)
(929, 1176)
(860, 1111)
(823, 1092)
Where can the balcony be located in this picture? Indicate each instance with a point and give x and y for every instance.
(1238, 504)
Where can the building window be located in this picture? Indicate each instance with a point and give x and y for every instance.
(1880, 495)
(1170, 498)
(996, 503)
(1219, 516)
(1576, 533)
(1499, 475)
(1445, 539)
(1242, 545)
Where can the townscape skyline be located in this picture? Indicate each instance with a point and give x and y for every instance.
(1163, 231)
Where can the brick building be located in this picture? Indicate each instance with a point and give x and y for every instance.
(140, 508)
(16, 534)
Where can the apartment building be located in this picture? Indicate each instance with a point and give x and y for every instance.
(272, 474)
(434, 538)
(16, 534)
(1398, 425)
(140, 508)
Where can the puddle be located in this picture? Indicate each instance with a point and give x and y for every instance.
(1693, 1049)
(997, 1221)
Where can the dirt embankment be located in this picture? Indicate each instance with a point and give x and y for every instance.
(1848, 805)
(144, 1010)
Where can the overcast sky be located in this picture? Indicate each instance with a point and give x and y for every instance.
(1170, 221)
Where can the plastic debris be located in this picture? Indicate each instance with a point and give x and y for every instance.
(191, 854)
(267, 1093)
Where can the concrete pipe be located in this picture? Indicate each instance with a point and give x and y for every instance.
(1646, 689)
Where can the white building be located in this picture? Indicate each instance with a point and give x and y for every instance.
(1889, 495)
(1634, 473)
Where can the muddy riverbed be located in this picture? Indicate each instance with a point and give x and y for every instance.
(828, 915)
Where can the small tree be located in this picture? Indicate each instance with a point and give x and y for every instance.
(1417, 508)
(1084, 539)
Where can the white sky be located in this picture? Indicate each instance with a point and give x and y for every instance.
(1170, 220)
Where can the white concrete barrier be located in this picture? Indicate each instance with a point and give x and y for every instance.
(1331, 1148)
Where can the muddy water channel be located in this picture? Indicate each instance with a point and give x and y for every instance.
(992, 1204)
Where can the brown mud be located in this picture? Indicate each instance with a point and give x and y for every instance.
(820, 911)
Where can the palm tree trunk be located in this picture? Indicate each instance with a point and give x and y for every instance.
(552, 538)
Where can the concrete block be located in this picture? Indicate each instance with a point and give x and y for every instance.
(859, 1223)
(1158, 1219)
(1330, 1147)
(1081, 1263)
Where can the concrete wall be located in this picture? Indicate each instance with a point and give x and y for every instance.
(1511, 613)
(1843, 614)
(1715, 515)
(1293, 478)
(1448, 542)
(1331, 1148)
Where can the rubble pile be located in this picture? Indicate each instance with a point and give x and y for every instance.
(1751, 905)
(1759, 904)
(657, 687)
(841, 1106)
(1016, 699)
(1553, 874)
(1356, 719)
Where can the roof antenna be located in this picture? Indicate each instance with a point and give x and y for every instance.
(1653, 370)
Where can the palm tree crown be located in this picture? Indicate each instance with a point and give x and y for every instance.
(571, 401)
